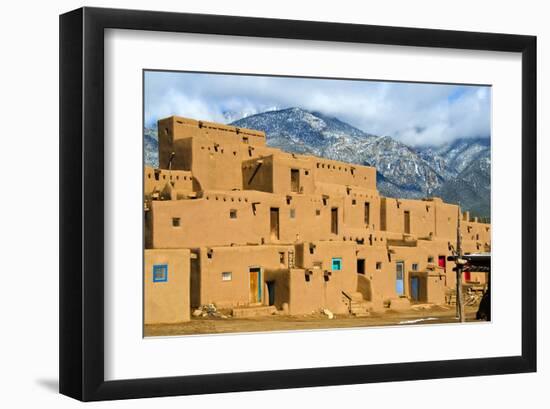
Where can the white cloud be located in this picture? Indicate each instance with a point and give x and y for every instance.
(417, 114)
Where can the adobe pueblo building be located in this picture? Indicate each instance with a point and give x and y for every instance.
(232, 222)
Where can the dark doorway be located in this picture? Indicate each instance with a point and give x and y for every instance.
(295, 180)
(367, 213)
(360, 266)
(415, 288)
(271, 292)
(334, 220)
(274, 222)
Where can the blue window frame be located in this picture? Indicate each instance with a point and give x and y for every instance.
(336, 264)
(160, 273)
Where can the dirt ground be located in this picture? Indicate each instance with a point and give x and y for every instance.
(418, 315)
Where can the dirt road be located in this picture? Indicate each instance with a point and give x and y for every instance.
(432, 315)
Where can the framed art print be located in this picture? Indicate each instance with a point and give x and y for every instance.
(253, 204)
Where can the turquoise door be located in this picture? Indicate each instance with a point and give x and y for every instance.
(415, 288)
(399, 278)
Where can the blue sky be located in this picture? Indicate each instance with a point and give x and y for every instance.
(416, 114)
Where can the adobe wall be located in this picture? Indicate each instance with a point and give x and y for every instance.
(213, 152)
(237, 261)
(476, 237)
(341, 173)
(425, 256)
(174, 128)
(167, 301)
(318, 291)
(208, 221)
(273, 173)
(166, 184)
(224, 190)
(378, 282)
(321, 254)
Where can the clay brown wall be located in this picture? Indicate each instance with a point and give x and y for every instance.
(331, 171)
(237, 260)
(446, 220)
(207, 222)
(437, 278)
(273, 174)
(167, 302)
(323, 252)
(379, 281)
(476, 237)
(311, 296)
(168, 183)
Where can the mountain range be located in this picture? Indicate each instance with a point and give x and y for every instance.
(458, 172)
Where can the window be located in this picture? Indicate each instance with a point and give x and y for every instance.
(317, 212)
(379, 265)
(160, 273)
(176, 222)
(414, 267)
(227, 276)
(336, 264)
(233, 214)
(353, 202)
(282, 258)
(292, 213)
(430, 259)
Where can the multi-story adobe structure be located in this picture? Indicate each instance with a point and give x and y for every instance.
(233, 222)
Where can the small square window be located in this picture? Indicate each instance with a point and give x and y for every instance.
(176, 222)
(160, 273)
(292, 213)
(233, 214)
(379, 265)
(317, 212)
(414, 267)
(227, 276)
(430, 259)
(353, 202)
(336, 264)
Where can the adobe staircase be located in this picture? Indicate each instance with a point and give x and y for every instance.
(358, 306)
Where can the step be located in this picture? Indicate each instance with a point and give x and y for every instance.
(260, 311)
(356, 297)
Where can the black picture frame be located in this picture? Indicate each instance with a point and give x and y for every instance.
(82, 213)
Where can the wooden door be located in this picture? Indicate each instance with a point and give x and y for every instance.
(255, 286)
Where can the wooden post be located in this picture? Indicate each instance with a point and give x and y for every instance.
(459, 300)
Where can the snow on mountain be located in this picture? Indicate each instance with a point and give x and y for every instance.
(459, 172)
(300, 131)
(150, 147)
